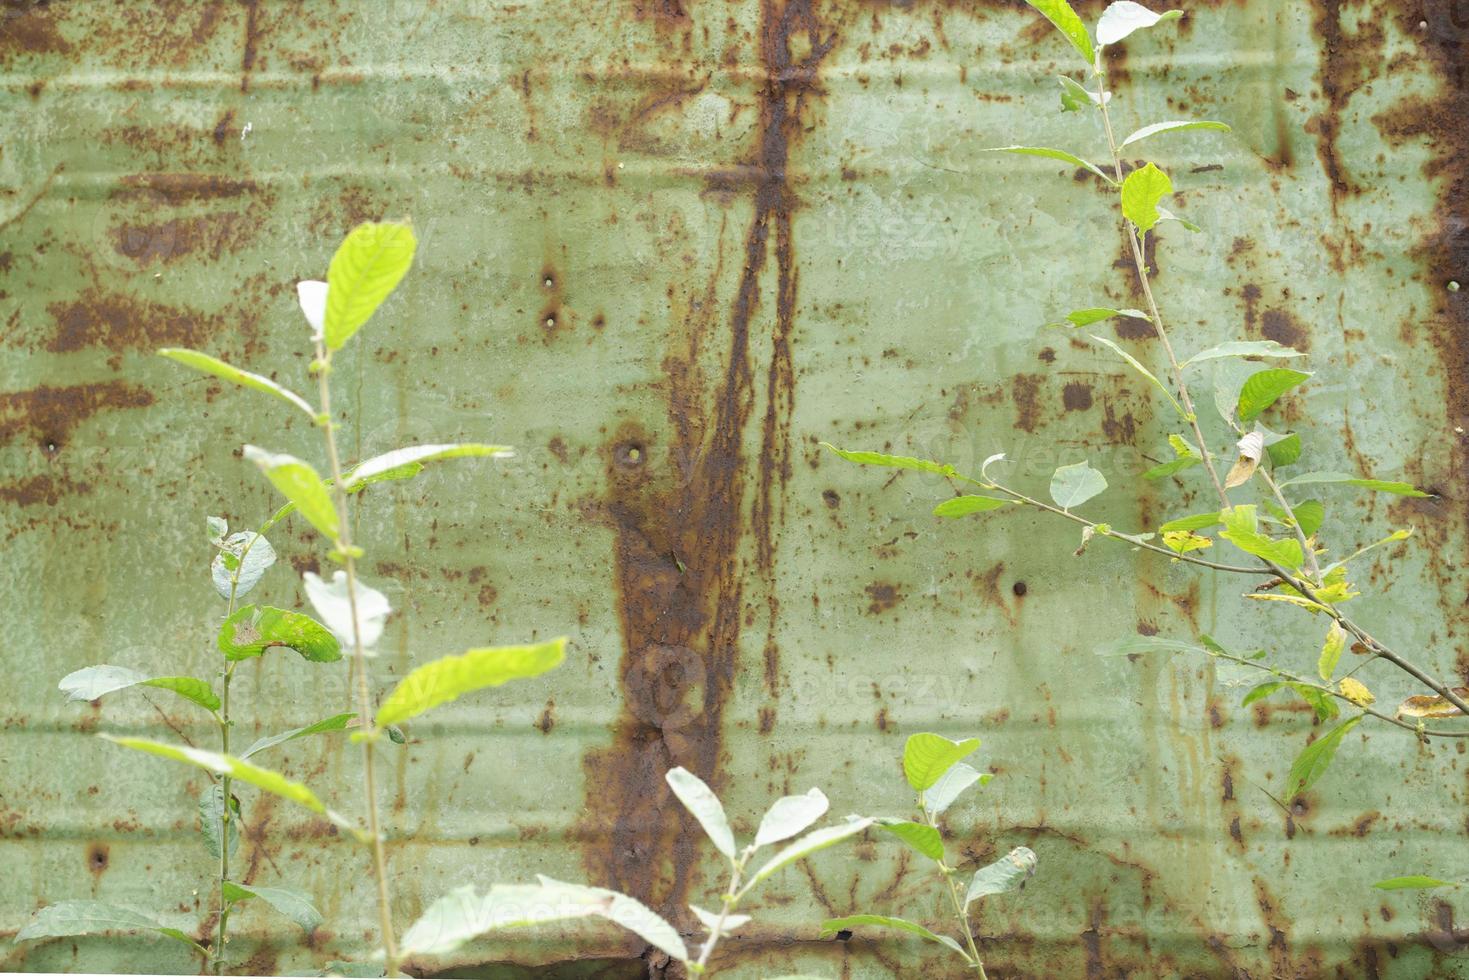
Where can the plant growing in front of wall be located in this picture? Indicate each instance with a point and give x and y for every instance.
(363, 273)
(1264, 512)
(936, 771)
(465, 913)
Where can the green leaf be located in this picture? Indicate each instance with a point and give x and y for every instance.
(220, 369)
(1284, 450)
(1309, 515)
(1322, 703)
(408, 461)
(1194, 522)
(1263, 388)
(1006, 874)
(1331, 651)
(1085, 318)
(1059, 12)
(225, 765)
(1261, 691)
(805, 846)
(699, 800)
(1074, 485)
(239, 565)
(301, 485)
(289, 902)
(335, 723)
(448, 678)
(1122, 18)
(1052, 154)
(955, 780)
(254, 629)
(1243, 348)
(1165, 215)
(1241, 528)
(1383, 486)
(921, 837)
(1185, 456)
(218, 528)
(1414, 881)
(1170, 127)
(968, 504)
(1074, 96)
(833, 926)
(78, 917)
(90, 683)
(211, 811)
(1132, 645)
(1138, 367)
(462, 914)
(790, 815)
(896, 462)
(1141, 192)
(365, 270)
(926, 757)
(1314, 759)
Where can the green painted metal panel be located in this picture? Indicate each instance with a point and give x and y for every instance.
(667, 248)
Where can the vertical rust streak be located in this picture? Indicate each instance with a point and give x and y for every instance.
(678, 529)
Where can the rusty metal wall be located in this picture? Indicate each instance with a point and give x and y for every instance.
(667, 247)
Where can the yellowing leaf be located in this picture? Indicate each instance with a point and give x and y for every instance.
(1432, 705)
(1185, 541)
(1331, 650)
(1356, 692)
(447, 678)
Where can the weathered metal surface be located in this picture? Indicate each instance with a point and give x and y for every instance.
(667, 248)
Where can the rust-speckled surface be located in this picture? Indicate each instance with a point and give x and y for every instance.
(667, 247)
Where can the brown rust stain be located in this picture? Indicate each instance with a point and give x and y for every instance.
(116, 321)
(50, 414)
(678, 528)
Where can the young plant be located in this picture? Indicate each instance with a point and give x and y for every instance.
(363, 273)
(1260, 512)
(464, 913)
(934, 768)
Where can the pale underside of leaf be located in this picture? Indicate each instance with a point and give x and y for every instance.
(1169, 127)
(81, 917)
(1054, 154)
(228, 372)
(335, 723)
(699, 800)
(790, 815)
(832, 926)
(1004, 875)
(1123, 17)
(365, 472)
(805, 846)
(91, 683)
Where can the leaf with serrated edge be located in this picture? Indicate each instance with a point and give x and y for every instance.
(447, 678)
(220, 369)
(1169, 127)
(833, 926)
(927, 756)
(1004, 875)
(369, 469)
(1053, 154)
(699, 800)
(365, 270)
(790, 815)
(251, 630)
(90, 683)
